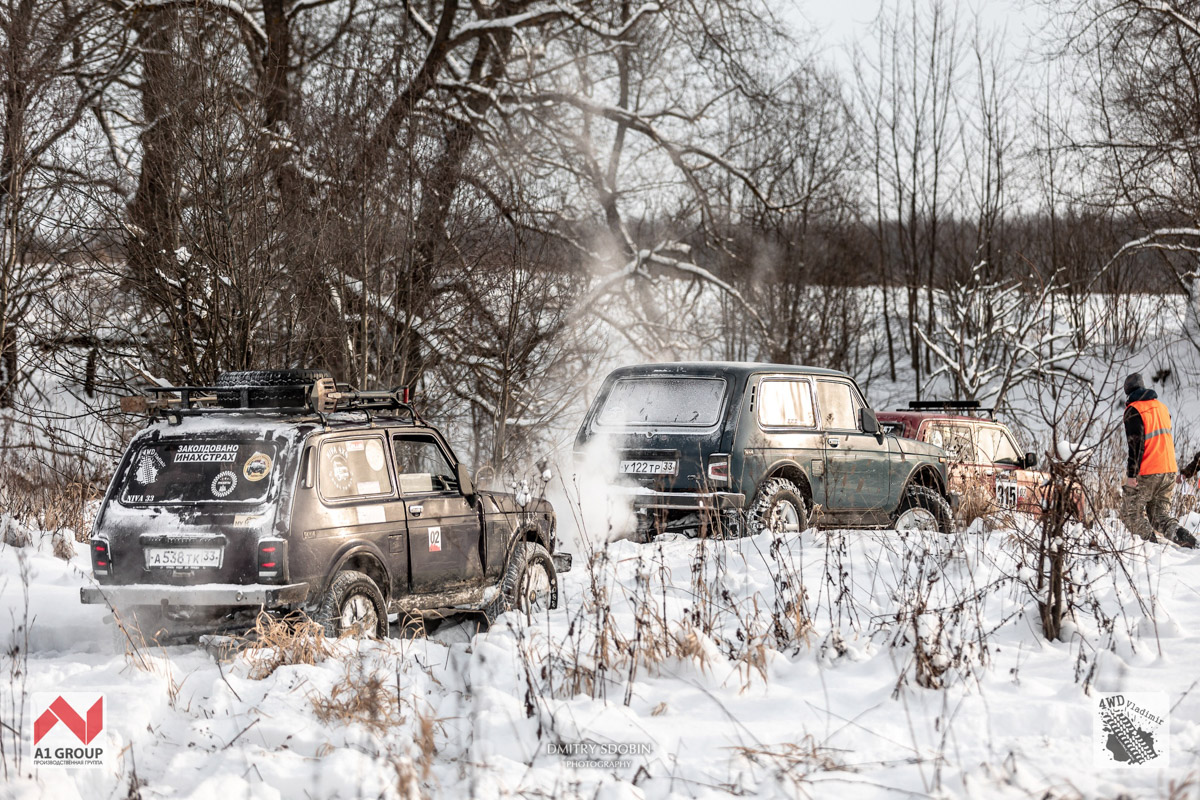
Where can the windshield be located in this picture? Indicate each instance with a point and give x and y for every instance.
(663, 401)
(167, 472)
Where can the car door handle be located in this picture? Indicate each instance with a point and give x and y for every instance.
(416, 510)
(833, 441)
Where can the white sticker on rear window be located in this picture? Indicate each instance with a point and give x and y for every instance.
(374, 455)
(148, 465)
(206, 454)
(371, 515)
(224, 484)
(368, 487)
(354, 447)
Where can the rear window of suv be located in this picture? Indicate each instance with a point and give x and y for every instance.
(663, 401)
(176, 472)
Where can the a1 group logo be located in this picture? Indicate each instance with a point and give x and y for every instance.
(66, 729)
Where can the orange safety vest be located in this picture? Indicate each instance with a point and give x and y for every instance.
(1158, 453)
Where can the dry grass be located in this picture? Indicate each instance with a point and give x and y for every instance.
(361, 697)
(38, 497)
(978, 502)
(795, 762)
(275, 643)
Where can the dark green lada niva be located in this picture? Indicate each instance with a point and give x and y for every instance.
(733, 448)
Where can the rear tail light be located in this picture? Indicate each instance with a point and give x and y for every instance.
(101, 559)
(272, 560)
(718, 469)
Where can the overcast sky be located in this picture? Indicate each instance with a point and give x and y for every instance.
(839, 22)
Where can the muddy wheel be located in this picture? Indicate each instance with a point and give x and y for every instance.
(530, 582)
(778, 507)
(353, 605)
(923, 509)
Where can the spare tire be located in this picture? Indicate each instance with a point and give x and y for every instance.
(268, 388)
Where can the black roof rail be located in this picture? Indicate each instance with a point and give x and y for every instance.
(948, 405)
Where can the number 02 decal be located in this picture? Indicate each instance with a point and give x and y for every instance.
(435, 540)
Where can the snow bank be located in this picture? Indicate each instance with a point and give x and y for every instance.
(862, 663)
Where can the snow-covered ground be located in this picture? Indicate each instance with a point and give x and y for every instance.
(858, 664)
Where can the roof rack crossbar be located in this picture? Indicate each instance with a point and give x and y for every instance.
(949, 405)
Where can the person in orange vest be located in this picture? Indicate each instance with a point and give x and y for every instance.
(1151, 470)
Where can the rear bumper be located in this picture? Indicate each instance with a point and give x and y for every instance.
(686, 501)
(210, 594)
(562, 562)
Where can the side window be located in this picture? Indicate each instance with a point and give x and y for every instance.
(996, 447)
(785, 404)
(354, 468)
(421, 466)
(839, 411)
(954, 439)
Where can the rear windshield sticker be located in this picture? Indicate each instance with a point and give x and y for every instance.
(206, 454)
(257, 467)
(224, 484)
(368, 487)
(375, 455)
(148, 465)
(355, 446)
(370, 515)
(246, 520)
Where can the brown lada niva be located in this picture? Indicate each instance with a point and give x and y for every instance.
(283, 492)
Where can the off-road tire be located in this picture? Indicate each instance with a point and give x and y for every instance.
(770, 495)
(930, 500)
(345, 585)
(525, 556)
(269, 388)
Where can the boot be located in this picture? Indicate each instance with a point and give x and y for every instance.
(1184, 539)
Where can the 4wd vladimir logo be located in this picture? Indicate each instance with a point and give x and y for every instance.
(1131, 730)
(66, 729)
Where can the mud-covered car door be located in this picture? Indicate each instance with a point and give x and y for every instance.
(857, 464)
(358, 503)
(1016, 488)
(445, 535)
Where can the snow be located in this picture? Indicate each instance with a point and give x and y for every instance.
(753, 668)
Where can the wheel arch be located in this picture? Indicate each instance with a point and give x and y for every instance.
(924, 475)
(363, 558)
(791, 471)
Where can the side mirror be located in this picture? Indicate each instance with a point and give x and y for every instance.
(1030, 461)
(465, 484)
(868, 421)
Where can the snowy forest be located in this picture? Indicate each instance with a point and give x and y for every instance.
(486, 201)
(495, 203)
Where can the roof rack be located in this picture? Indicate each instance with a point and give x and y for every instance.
(323, 397)
(948, 405)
